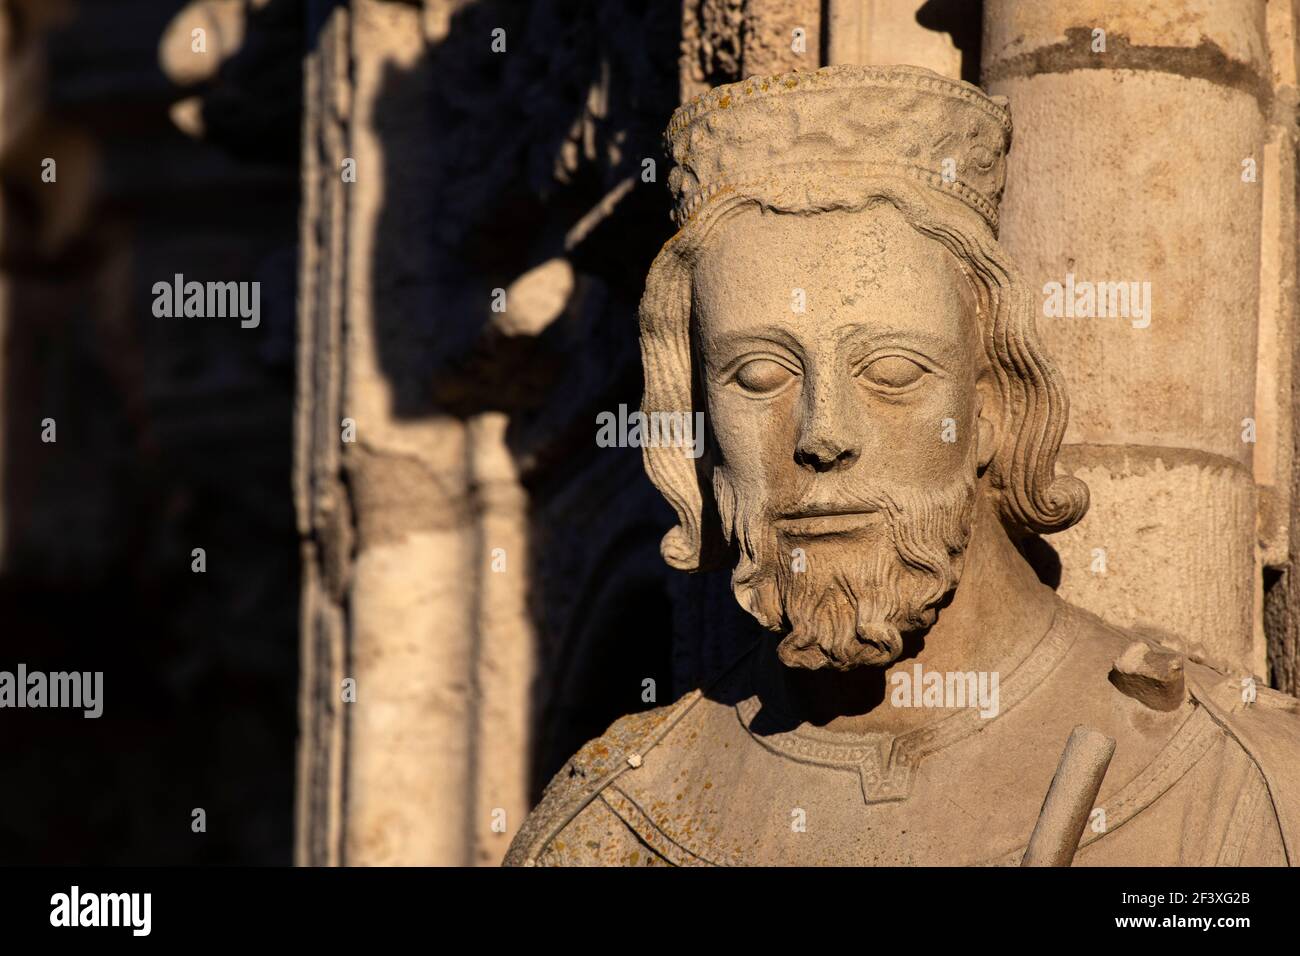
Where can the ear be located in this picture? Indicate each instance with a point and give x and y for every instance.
(988, 400)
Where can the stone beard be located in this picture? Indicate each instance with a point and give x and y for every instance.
(848, 591)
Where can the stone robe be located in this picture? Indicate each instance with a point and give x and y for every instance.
(715, 779)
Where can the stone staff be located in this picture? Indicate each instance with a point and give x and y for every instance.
(1069, 798)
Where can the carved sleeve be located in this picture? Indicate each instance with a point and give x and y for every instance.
(598, 837)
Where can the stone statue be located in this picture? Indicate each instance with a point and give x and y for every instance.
(882, 438)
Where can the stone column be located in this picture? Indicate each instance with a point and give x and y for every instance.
(392, 502)
(1275, 458)
(468, 299)
(722, 43)
(320, 497)
(1136, 128)
(886, 32)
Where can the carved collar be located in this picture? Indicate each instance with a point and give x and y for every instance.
(886, 764)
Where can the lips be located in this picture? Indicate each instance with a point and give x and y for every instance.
(825, 521)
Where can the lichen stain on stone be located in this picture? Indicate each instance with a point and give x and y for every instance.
(1206, 61)
(1124, 461)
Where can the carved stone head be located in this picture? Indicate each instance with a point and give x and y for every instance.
(837, 305)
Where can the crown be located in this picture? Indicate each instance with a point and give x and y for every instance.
(846, 121)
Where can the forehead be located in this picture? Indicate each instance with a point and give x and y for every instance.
(850, 269)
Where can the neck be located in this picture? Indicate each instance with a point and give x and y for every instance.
(998, 613)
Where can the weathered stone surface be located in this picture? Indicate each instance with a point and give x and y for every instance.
(1150, 675)
(883, 430)
(1176, 381)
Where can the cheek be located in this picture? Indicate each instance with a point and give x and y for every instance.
(932, 431)
(755, 439)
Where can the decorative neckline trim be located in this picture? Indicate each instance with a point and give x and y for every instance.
(886, 763)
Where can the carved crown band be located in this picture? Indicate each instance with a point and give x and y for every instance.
(874, 120)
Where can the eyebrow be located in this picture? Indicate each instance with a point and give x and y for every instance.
(892, 336)
(932, 345)
(762, 335)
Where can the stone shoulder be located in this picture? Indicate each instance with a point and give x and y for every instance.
(1266, 724)
(588, 772)
(1263, 722)
(1226, 695)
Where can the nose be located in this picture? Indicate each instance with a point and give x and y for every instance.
(824, 454)
(827, 439)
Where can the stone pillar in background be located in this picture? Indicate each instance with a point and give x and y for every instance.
(394, 554)
(1275, 458)
(436, 181)
(1134, 124)
(320, 495)
(503, 662)
(727, 40)
(885, 33)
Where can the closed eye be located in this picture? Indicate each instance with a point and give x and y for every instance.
(763, 375)
(892, 372)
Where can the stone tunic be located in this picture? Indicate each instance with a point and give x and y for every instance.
(716, 779)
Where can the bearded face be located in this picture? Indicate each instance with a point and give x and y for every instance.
(845, 587)
(845, 381)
